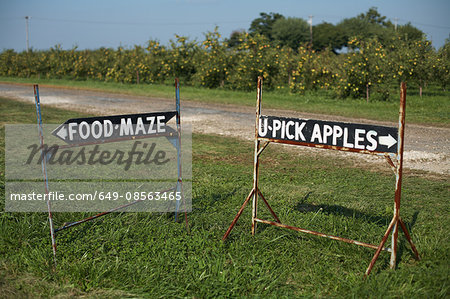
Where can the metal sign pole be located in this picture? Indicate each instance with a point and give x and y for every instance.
(398, 173)
(44, 165)
(255, 190)
(256, 157)
(398, 168)
(178, 144)
(179, 187)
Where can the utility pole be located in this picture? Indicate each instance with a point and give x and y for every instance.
(395, 24)
(27, 18)
(310, 31)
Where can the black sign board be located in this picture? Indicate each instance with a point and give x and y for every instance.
(327, 133)
(116, 127)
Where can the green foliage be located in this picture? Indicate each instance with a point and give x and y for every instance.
(263, 25)
(313, 70)
(372, 16)
(413, 61)
(370, 67)
(364, 29)
(255, 57)
(442, 66)
(180, 63)
(291, 32)
(236, 38)
(373, 25)
(214, 62)
(365, 70)
(409, 32)
(328, 36)
(295, 31)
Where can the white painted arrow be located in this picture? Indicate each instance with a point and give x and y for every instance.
(62, 133)
(387, 140)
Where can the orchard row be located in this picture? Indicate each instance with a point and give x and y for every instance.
(367, 69)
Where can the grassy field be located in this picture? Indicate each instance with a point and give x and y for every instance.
(150, 255)
(432, 109)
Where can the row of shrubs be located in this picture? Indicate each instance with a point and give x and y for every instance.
(368, 68)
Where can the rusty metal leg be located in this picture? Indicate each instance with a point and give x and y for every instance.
(52, 231)
(399, 172)
(380, 247)
(254, 212)
(185, 209)
(268, 206)
(44, 166)
(186, 221)
(393, 167)
(225, 236)
(256, 157)
(408, 237)
(393, 260)
(255, 187)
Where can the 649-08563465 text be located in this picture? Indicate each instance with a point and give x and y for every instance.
(97, 195)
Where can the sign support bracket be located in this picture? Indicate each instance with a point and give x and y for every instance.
(44, 167)
(397, 168)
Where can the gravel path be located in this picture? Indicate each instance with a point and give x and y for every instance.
(426, 148)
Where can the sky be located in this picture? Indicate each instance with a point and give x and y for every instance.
(91, 24)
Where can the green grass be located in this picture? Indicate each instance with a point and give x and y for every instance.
(432, 109)
(150, 255)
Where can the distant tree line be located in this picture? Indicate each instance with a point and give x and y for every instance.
(277, 48)
(293, 32)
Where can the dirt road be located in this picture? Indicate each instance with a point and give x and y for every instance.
(426, 148)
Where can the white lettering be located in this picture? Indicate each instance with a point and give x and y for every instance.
(337, 133)
(316, 134)
(84, 126)
(373, 141)
(263, 129)
(346, 143)
(288, 130)
(126, 127)
(283, 129)
(107, 128)
(298, 131)
(358, 138)
(151, 119)
(160, 123)
(139, 126)
(72, 130)
(96, 129)
(327, 132)
(276, 126)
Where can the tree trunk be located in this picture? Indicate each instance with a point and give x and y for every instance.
(420, 91)
(367, 93)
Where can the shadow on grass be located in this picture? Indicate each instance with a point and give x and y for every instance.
(378, 220)
(403, 242)
(304, 207)
(202, 203)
